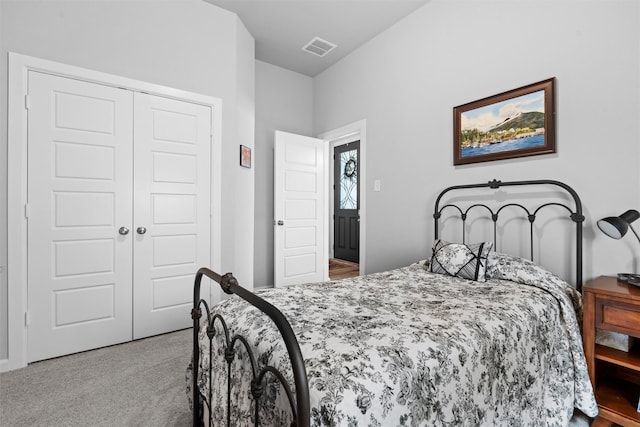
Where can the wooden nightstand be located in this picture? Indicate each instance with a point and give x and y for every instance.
(612, 305)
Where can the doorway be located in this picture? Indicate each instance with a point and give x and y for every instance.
(302, 240)
(348, 135)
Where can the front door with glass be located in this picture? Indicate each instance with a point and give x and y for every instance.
(346, 202)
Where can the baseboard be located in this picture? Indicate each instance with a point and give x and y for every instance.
(4, 365)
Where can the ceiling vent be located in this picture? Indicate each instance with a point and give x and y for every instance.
(319, 47)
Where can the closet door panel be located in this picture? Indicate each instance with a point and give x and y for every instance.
(79, 194)
(172, 203)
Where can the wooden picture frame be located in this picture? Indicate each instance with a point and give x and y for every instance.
(245, 156)
(516, 123)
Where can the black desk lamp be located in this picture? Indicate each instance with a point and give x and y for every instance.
(616, 227)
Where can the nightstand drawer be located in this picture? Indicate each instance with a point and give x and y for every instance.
(618, 316)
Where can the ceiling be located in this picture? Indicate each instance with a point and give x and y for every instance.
(281, 28)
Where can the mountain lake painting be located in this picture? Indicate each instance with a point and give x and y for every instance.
(507, 128)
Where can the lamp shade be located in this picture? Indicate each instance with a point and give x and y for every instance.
(617, 226)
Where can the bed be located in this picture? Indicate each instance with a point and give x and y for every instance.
(468, 337)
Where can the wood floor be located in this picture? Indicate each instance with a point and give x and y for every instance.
(341, 269)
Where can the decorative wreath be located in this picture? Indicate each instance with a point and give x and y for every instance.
(350, 168)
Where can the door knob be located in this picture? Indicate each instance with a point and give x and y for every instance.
(124, 231)
(141, 230)
(280, 222)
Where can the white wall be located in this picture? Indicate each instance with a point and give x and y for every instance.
(242, 213)
(284, 101)
(185, 44)
(406, 81)
(4, 312)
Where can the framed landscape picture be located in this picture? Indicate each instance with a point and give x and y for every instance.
(517, 123)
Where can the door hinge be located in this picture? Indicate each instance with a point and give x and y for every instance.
(27, 101)
(27, 210)
(27, 318)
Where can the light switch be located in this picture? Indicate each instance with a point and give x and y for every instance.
(376, 185)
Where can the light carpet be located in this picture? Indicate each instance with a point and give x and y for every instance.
(141, 383)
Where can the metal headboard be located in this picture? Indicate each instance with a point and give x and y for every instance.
(575, 214)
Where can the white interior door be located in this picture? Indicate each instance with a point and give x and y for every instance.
(300, 198)
(79, 195)
(171, 210)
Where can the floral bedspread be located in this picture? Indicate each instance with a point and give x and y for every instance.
(409, 347)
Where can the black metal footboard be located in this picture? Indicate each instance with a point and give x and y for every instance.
(299, 405)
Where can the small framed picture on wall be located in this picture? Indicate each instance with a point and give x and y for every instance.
(245, 156)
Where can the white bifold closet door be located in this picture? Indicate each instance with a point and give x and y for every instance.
(118, 213)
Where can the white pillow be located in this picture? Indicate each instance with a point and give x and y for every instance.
(461, 260)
